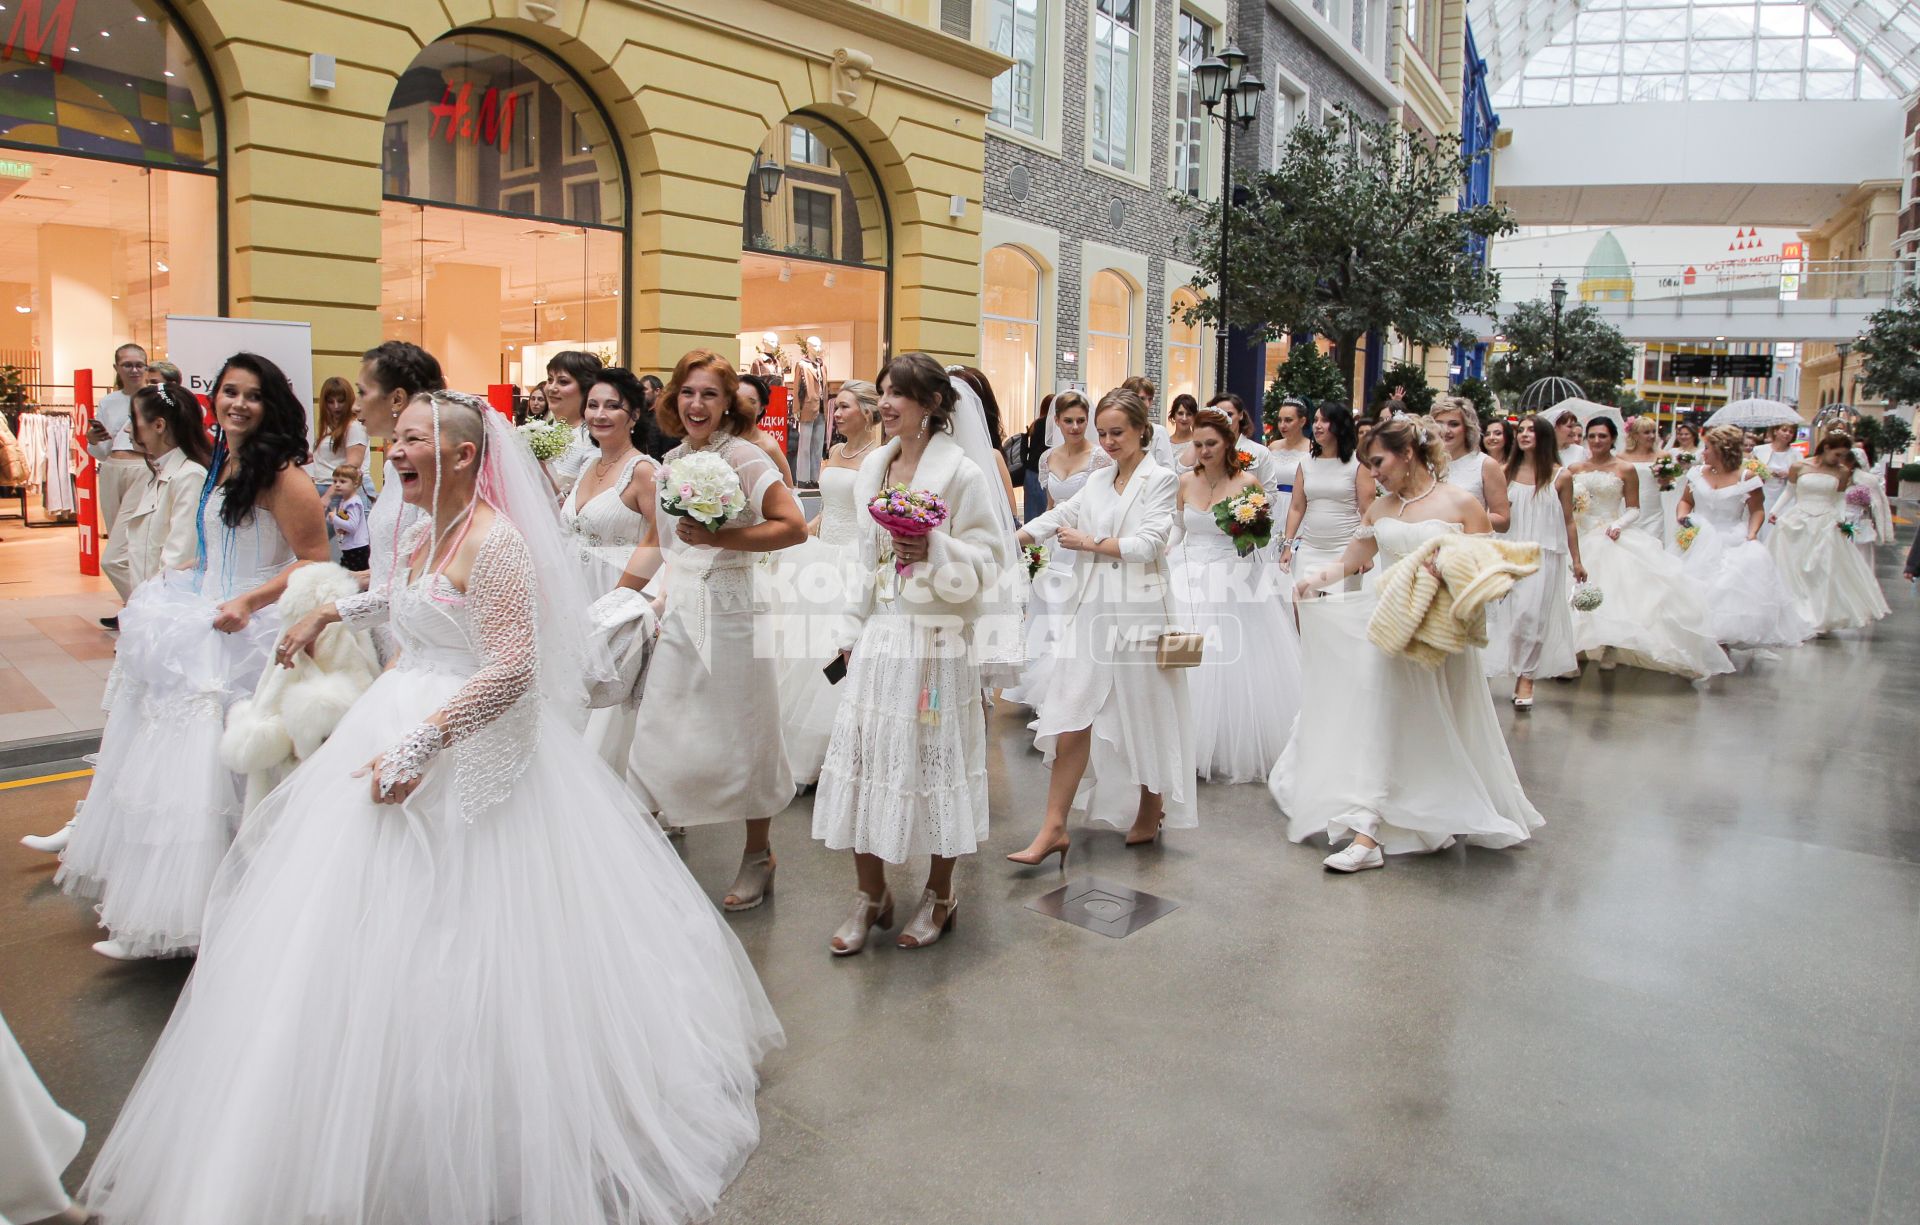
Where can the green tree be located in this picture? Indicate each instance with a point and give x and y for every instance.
(1419, 396)
(1477, 391)
(1353, 232)
(1307, 373)
(1890, 350)
(1592, 352)
(13, 388)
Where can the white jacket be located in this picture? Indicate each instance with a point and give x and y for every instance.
(1143, 518)
(162, 518)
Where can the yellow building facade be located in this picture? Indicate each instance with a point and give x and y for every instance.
(390, 170)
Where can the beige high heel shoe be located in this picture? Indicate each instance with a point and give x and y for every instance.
(754, 884)
(923, 931)
(867, 915)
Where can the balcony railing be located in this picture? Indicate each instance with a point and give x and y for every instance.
(1758, 277)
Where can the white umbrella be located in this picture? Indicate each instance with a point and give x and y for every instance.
(1582, 411)
(1594, 412)
(1756, 415)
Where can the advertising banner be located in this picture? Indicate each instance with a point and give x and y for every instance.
(200, 345)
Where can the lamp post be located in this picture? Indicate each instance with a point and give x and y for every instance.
(1231, 94)
(769, 173)
(1558, 294)
(1843, 348)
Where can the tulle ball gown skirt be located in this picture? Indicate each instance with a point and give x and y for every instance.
(162, 809)
(1831, 583)
(400, 1017)
(1246, 691)
(1650, 616)
(1748, 602)
(1409, 755)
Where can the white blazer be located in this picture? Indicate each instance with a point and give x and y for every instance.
(1142, 518)
(161, 523)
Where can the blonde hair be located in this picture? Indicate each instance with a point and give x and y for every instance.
(1128, 402)
(867, 396)
(1469, 416)
(350, 471)
(1729, 442)
(1644, 424)
(1418, 437)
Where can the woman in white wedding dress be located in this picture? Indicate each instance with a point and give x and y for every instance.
(1064, 471)
(609, 513)
(1777, 456)
(450, 975)
(162, 807)
(1468, 467)
(1530, 633)
(1649, 616)
(1748, 603)
(1829, 579)
(1642, 450)
(1245, 692)
(1334, 493)
(813, 580)
(1401, 757)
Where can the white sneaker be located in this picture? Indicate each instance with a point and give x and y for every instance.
(53, 843)
(1355, 858)
(115, 950)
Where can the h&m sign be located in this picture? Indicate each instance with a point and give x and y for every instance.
(42, 25)
(491, 124)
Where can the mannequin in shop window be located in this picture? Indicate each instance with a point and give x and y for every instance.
(810, 379)
(766, 362)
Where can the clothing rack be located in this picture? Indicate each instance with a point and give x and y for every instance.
(56, 516)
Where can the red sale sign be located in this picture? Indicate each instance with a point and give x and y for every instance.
(86, 482)
(774, 420)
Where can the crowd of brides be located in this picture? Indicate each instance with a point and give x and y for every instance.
(450, 968)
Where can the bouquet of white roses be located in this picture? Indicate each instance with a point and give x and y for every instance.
(547, 439)
(702, 487)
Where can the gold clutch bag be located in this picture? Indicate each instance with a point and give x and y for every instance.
(1179, 649)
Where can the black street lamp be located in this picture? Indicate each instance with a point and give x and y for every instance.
(1843, 348)
(1558, 294)
(1224, 79)
(769, 173)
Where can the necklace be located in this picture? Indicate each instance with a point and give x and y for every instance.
(862, 451)
(1121, 479)
(1406, 503)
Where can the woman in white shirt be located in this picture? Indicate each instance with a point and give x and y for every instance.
(341, 439)
(163, 526)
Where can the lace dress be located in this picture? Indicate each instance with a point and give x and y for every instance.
(1469, 473)
(1748, 603)
(1650, 616)
(1333, 516)
(1530, 633)
(604, 534)
(162, 807)
(387, 522)
(1829, 579)
(1052, 589)
(1246, 691)
(811, 583)
(709, 720)
(504, 1000)
(1411, 756)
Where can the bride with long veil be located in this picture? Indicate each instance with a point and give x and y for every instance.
(450, 974)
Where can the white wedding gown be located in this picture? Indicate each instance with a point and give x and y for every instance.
(604, 534)
(1051, 591)
(811, 581)
(1332, 517)
(1748, 603)
(1829, 579)
(1409, 755)
(162, 807)
(502, 1002)
(1530, 632)
(1246, 692)
(1650, 616)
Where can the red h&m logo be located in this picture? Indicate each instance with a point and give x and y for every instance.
(493, 125)
(55, 29)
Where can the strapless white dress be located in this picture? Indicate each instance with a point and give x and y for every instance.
(1333, 516)
(1650, 616)
(1409, 755)
(1246, 692)
(162, 808)
(1653, 519)
(811, 585)
(1748, 603)
(604, 534)
(1051, 591)
(1829, 579)
(1530, 633)
(443, 1013)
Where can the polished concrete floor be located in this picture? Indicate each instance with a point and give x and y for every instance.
(1691, 999)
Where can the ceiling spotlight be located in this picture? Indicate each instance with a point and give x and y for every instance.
(169, 72)
(141, 19)
(161, 265)
(25, 310)
(786, 273)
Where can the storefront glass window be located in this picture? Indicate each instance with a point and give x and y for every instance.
(1109, 333)
(503, 227)
(1183, 348)
(109, 190)
(1010, 333)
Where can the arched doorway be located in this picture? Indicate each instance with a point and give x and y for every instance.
(111, 212)
(815, 284)
(504, 221)
(1010, 332)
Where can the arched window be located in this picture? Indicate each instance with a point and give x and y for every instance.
(110, 200)
(1109, 332)
(505, 217)
(1184, 348)
(1010, 333)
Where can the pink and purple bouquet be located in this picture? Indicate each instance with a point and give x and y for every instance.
(907, 512)
(1859, 497)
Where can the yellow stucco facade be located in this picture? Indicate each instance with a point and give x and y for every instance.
(691, 89)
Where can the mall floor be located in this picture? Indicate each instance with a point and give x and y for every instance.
(1691, 999)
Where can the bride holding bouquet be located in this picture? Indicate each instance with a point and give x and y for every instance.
(906, 768)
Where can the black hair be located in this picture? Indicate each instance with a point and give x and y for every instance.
(1183, 400)
(977, 379)
(171, 403)
(279, 441)
(632, 398)
(399, 366)
(647, 434)
(1346, 435)
(581, 365)
(924, 381)
(1228, 397)
(1613, 431)
(766, 393)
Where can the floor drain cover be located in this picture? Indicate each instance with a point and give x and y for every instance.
(1102, 906)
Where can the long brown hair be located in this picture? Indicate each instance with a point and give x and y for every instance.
(171, 403)
(331, 430)
(1223, 425)
(1546, 451)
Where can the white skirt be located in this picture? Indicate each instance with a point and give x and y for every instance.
(1830, 581)
(1530, 632)
(811, 583)
(1649, 614)
(1748, 603)
(37, 1138)
(162, 808)
(898, 783)
(1246, 691)
(400, 1017)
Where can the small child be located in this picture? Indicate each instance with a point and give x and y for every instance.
(347, 517)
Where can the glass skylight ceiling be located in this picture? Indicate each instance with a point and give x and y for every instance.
(1580, 52)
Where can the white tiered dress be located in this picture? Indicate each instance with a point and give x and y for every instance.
(1829, 579)
(1246, 692)
(1530, 632)
(1052, 590)
(163, 808)
(1411, 756)
(1333, 515)
(813, 580)
(504, 1000)
(1650, 616)
(604, 534)
(1748, 603)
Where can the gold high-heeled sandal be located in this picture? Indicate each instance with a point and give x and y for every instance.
(867, 915)
(923, 931)
(754, 884)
